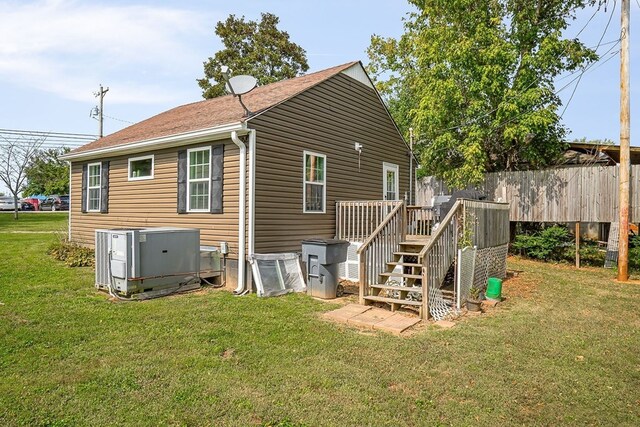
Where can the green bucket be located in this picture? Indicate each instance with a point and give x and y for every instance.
(494, 288)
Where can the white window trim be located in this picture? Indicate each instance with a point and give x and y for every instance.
(396, 168)
(99, 187)
(304, 183)
(189, 180)
(141, 178)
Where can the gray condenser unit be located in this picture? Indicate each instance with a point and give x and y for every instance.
(130, 261)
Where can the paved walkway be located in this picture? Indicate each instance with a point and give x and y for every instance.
(372, 318)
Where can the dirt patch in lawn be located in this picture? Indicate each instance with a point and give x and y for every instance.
(519, 284)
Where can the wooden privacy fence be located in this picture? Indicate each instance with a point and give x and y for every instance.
(571, 194)
(357, 220)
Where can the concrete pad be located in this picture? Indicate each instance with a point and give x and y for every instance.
(347, 312)
(370, 317)
(396, 323)
(445, 324)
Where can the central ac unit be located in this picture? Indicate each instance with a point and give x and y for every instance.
(129, 261)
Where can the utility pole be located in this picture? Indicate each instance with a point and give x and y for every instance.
(625, 135)
(101, 93)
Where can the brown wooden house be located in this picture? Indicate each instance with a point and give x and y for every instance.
(261, 182)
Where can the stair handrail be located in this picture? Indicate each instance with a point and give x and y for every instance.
(380, 244)
(381, 227)
(447, 219)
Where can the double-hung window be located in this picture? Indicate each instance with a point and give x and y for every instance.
(314, 190)
(198, 179)
(94, 182)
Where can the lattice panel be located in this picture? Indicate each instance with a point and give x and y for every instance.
(439, 307)
(490, 262)
(611, 259)
(466, 272)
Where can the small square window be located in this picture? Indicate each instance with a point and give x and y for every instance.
(141, 168)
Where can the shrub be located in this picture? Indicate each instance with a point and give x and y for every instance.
(549, 244)
(590, 254)
(72, 254)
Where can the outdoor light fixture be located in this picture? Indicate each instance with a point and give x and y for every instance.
(358, 148)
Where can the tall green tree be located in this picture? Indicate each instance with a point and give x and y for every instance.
(475, 78)
(46, 173)
(259, 49)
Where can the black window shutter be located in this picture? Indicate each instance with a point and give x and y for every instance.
(217, 161)
(104, 188)
(83, 202)
(182, 181)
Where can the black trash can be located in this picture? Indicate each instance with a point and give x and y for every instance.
(322, 258)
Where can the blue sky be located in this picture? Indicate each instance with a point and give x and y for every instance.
(55, 53)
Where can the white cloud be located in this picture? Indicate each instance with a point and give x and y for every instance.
(67, 47)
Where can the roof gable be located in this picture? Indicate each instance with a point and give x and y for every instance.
(211, 113)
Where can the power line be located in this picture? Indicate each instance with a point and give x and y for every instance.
(47, 133)
(584, 68)
(117, 119)
(536, 80)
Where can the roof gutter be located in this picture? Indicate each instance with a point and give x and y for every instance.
(241, 213)
(202, 135)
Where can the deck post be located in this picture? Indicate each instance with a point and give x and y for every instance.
(424, 311)
(363, 276)
(577, 244)
(404, 225)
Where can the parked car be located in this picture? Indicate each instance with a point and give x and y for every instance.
(34, 201)
(55, 203)
(26, 206)
(6, 203)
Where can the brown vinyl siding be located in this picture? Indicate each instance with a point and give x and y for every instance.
(326, 119)
(153, 202)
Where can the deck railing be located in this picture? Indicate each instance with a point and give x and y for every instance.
(439, 253)
(419, 220)
(357, 220)
(379, 247)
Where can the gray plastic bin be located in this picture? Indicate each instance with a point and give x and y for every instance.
(322, 257)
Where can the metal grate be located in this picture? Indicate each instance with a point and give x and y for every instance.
(103, 279)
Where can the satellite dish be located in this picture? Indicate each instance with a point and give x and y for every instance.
(239, 85)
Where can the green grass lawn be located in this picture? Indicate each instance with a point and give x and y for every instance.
(562, 349)
(34, 221)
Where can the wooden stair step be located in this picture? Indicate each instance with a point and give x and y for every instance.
(407, 253)
(397, 288)
(414, 242)
(406, 276)
(417, 237)
(392, 300)
(404, 264)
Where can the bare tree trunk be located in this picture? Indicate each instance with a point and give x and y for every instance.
(15, 156)
(15, 207)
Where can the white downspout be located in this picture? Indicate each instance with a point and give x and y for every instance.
(252, 191)
(242, 212)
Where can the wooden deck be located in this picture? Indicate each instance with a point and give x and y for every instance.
(403, 256)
